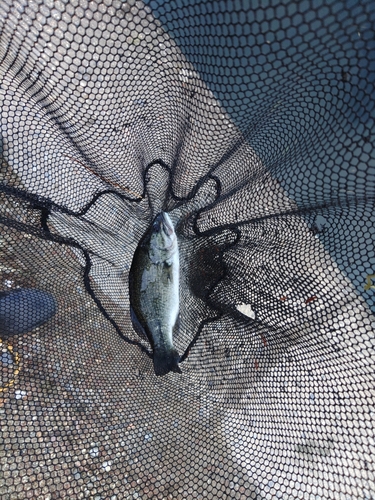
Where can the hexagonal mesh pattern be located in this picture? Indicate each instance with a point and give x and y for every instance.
(252, 125)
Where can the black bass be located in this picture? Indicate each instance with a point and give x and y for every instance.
(154, 292)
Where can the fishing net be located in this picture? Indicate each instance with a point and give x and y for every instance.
(252, 125)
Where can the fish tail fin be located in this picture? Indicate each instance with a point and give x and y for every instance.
(166, 361)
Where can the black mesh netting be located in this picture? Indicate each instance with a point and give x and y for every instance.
(252, 124)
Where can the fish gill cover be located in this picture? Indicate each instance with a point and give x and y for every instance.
(252, 125)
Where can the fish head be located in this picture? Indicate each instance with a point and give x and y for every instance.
(163, 239)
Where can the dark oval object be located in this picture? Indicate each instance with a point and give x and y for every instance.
(24, 309)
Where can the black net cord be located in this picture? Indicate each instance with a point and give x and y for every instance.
(251, 125)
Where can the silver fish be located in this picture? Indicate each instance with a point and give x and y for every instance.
(154, 292)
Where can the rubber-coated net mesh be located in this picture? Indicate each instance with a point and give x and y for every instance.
(252, 124)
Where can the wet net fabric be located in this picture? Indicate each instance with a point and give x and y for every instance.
(252, 125)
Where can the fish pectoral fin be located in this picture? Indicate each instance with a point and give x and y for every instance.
(137, 325)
